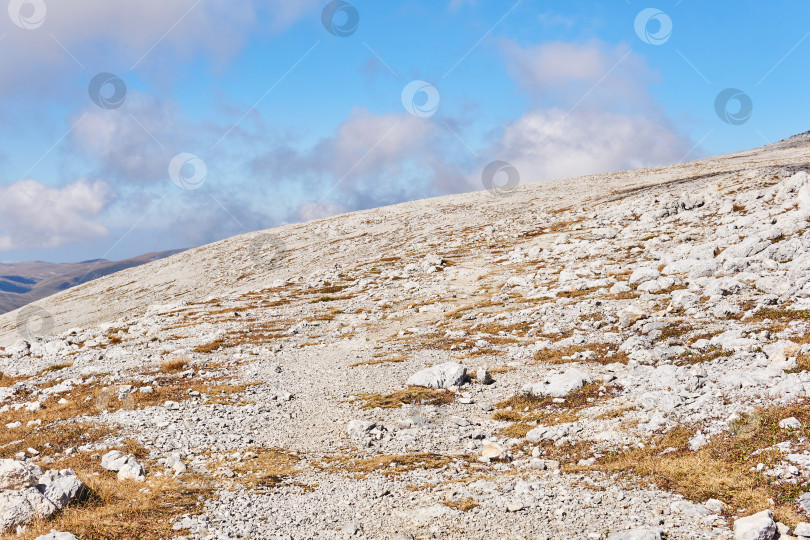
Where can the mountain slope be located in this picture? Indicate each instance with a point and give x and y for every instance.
(25, 282)
(571, 360)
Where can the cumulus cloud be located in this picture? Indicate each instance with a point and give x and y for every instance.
(36, 215)
(131, 144)
(591, 112)
(149, 36)
(371, 160)
(563, 72)
(553, 143)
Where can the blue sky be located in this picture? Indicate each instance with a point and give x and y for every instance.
(291, 122)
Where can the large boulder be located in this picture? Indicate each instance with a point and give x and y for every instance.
(17, 474)
(630, 314)
(132, 470)
(114, 460)
(19, 507)
(759, 526)
(441, 376)
(640, 275)
(30, 494)
(683, 299)
(62, 487)
(559, 384)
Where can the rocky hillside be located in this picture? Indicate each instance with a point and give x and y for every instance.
(617, 356)
(24, 282)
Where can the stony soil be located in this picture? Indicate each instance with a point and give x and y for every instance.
(667, 310)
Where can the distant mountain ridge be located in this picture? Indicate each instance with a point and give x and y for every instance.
(25, 282)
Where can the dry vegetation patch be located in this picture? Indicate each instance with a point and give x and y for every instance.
(377, 361)
(267, 467)
(121, 511)
(390, 465)
(411, 395)
(464, 505)
(115, 510)
(527, 411)
(781, 314)
(724, 469)
(691, 357)
(565, 355)
(174, 365)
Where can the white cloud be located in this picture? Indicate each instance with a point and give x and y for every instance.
(134, 143)
(564, 72)
(456, 5)
(151, 36)
(34, 215)
(371, 160)
(552, 143)
(591, 112)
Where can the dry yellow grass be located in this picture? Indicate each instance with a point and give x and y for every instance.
(269, 468)
(377, 361)
(412, 394)
(563, 356)
(389, 465)
(210, 347)
(464, 505)
(528, 410)
(781, 314)
(120, 511)
(174, 365)
(54, 427)
(723, 468)
(616, 413)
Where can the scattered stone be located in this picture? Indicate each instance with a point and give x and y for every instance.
(440, 376)
(559, 384)
(483, 376)
(643, 533)
(790, 423)
(759, 526)
(55, 535)
(493, 451)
